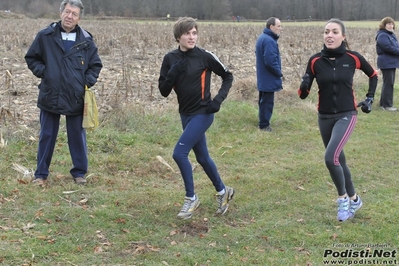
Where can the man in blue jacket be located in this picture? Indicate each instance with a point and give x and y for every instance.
(268, 70)
(65, 58)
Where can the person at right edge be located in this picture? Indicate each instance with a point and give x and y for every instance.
(268, 70)
(387, 47)
(334, 68)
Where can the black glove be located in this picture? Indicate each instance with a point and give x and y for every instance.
(213, 107)
(303, 91)
(366, 105)
(177, 69)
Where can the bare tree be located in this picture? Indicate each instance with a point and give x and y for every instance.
(217, 9)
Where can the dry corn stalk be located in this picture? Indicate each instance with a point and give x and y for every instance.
(162, 160)
(27, 173)
(3, 143)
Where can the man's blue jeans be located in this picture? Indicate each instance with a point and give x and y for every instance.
(266, 105)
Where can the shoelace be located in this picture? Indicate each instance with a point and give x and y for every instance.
(343, 206)
(186, 205)
(220, 199)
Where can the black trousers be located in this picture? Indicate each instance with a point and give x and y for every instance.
(388, 81)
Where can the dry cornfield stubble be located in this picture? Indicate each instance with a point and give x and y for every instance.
(132, 53)
(284, 210)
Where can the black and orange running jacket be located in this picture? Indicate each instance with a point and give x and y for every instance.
(193, 87)
(334, 79)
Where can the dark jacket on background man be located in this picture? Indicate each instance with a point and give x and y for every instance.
(63, 74)
(387, 47)
(268, 62)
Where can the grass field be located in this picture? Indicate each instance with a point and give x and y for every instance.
(283, 213)
(284, 210)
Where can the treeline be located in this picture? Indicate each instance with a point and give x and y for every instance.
(218, 9)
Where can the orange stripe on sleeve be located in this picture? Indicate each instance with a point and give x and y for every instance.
(203, 75)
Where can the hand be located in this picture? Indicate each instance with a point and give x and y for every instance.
(177, 69)
(366, 105)
(213, 107)
(303, 91)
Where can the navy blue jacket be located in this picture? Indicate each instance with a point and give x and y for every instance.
(387, 47)
(63, 74)
(268, 62)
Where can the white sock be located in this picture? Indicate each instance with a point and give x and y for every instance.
(192, 198)
(221, 192)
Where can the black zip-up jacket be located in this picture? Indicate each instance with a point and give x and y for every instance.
(193, 86)
(63, 74)
(334, 78)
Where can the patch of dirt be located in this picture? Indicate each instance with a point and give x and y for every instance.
(195, 228)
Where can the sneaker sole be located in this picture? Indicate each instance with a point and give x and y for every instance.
(389, 109)
(80, 181)
(40, 182)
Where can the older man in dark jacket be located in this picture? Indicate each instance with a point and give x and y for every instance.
(268, 70)
(66, 59)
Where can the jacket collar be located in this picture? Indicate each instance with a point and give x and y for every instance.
(333, 52)
(271, 34)
(188, 52)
